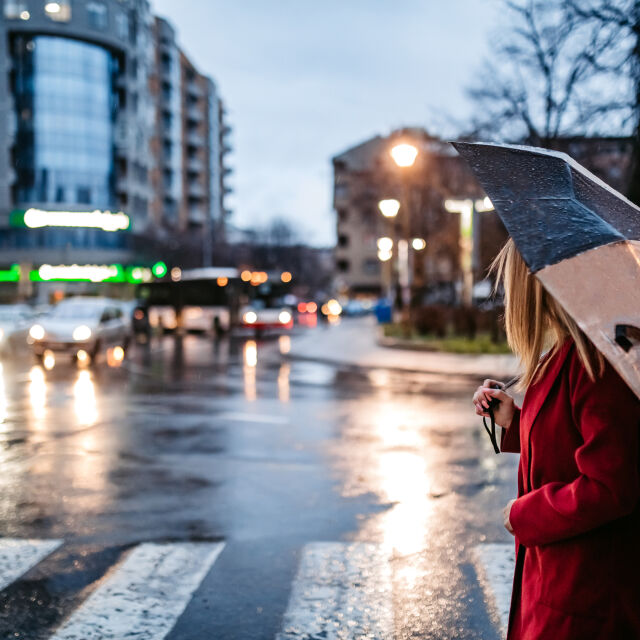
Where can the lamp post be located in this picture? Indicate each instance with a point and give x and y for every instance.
(404, 155)
(468, 208)
(387, 246)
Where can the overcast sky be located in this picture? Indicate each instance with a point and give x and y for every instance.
(304, 80)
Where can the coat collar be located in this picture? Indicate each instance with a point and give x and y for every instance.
(538, 391)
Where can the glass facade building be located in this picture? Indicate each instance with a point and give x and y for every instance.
(66, 105)
(98, 115)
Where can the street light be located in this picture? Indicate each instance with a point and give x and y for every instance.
(404, 155)
(389, 208)
(418, 244)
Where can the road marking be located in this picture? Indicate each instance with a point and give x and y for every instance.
(495, 564)
(253, 417)
(341, 591)
(145, 595)
(18, 556)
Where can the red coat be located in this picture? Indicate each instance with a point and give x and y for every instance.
(577, 517)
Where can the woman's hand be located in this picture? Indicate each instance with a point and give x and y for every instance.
(506, 512)
(503, 413)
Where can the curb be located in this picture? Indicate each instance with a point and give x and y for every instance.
(367, 367)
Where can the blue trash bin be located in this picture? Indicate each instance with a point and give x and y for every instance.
(383, 312)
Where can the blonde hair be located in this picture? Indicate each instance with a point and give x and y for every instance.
(534, 320)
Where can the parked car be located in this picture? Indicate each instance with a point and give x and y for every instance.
(81, 328)
(15, 322)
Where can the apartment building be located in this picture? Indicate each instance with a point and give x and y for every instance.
(103, 114)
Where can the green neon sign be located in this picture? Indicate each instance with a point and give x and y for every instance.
(81, 273)
(159, 269)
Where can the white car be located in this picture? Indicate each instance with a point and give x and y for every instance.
(260, 319)
(81, 327)
(15, 322)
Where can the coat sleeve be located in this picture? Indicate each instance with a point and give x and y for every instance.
(510, 438)
(607, 414)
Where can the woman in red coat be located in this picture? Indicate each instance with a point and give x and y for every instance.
(576, 520)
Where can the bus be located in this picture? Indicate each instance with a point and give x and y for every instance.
(197, 300)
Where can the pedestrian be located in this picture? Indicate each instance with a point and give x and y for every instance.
(576, 519)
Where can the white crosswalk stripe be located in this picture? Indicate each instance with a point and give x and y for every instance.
(495, 564)
(18, 556)
(145, 595)
(341, 591)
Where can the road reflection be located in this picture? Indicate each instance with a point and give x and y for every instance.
(404, 479)
(250, 355)
(85, 405)
(284, 390)
(284, 344)
(38, 395)
(3, 397)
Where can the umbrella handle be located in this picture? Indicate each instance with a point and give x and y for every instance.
(627, 335)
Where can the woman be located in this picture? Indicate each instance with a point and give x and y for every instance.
(576, 520)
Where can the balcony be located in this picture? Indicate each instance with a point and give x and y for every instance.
(195, 166)
(197, 215)
(122, 184)
(121, 136)
(195, 140)
(194, 91)
(196, 190)
(194, 115)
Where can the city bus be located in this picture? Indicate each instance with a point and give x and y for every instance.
(199, 300)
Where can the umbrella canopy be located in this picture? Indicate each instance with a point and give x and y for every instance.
(579, 236)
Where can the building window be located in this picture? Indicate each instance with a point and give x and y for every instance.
(341, 191)
(343, 265)
(59, 11)
(371, 267)
(343, 241)
(97, 15)
(343, 215)
(122, 25)
(14, 9)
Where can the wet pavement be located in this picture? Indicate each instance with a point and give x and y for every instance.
(205, 489)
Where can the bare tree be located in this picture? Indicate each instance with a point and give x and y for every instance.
(548, 75)
(622, 19)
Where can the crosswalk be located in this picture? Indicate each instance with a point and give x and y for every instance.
(341, 591)
(495, 564)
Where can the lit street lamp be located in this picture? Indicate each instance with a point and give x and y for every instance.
(404, 155)
(389, 208)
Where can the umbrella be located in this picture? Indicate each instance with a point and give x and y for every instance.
(579, 236)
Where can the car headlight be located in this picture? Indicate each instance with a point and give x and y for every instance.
(81, 333)
(37, 332)
(250, 317)
(284, 317)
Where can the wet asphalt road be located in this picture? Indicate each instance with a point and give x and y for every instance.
(232, 442)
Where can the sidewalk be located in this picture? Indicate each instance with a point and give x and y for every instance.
(354, 342)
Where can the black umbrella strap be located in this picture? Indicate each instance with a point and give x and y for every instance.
(491, 431)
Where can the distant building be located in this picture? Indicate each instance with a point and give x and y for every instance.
(366, 174)
(103, 112)
(609, 158)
